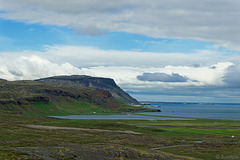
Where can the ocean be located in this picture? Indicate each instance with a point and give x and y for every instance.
(227, 111)
(117, 117)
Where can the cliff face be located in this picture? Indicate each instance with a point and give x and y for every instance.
(19, 96)
(95, 82)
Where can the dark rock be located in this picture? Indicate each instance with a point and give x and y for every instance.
(95, 82)
(32, 100)
(8, 102)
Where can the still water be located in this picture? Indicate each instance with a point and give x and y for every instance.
(124, 117)
(228, 111)
(210, 111)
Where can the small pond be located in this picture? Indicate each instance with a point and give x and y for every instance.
(122, 117)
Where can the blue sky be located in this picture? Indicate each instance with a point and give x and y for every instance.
(155, 50)
(20, 36)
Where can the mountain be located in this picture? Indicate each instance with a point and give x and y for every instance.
(42, 98)
(22, 95)
(95, 82)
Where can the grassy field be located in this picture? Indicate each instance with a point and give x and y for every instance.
(164, 139)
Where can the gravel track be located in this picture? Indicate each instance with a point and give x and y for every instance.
(78, 129)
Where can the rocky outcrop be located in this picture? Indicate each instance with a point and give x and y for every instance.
(96, 96)
(32, 100)
(26, 100)
(7, 102)
(25, 93)
(95, 82)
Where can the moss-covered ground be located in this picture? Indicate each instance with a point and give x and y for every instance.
(164, 139)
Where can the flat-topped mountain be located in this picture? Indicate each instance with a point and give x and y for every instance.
(43, 98)
(107, 84)
(46, 98)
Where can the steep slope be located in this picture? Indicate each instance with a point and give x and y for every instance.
(42, 98)
(45, 98)
(95, 82)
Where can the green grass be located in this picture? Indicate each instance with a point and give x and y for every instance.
(76, 108)
(70, 106)
(215, 134)
(216, 137)
(212, 123)
(66, 108)
(99, 124)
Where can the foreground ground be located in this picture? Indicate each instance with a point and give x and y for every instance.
(32, 137)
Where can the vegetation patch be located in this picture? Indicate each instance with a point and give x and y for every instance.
(163, 139)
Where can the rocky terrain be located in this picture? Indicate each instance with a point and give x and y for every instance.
(95, 82)
(42, 98)
(90, 152)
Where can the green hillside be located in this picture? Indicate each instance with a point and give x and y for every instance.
(41, 98)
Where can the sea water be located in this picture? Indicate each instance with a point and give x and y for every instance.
(227, 111)
(119, 117)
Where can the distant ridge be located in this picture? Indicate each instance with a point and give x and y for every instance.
(95, 82)
(43, 98)
(155, 102)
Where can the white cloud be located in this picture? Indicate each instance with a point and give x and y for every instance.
(214, 73)
(33, 67)
(82, 56)
(123, 66)
(127, 77)
(209, 20)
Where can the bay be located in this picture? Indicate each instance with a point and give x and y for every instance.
(119, 117)
(226, 111)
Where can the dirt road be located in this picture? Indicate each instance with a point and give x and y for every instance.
(78, 129)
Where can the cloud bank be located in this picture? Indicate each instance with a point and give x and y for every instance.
(208, 20)
(213, 77)
(33, 67)
(232, 78)
(162, 77)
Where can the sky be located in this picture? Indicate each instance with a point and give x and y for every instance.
(168, 50)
